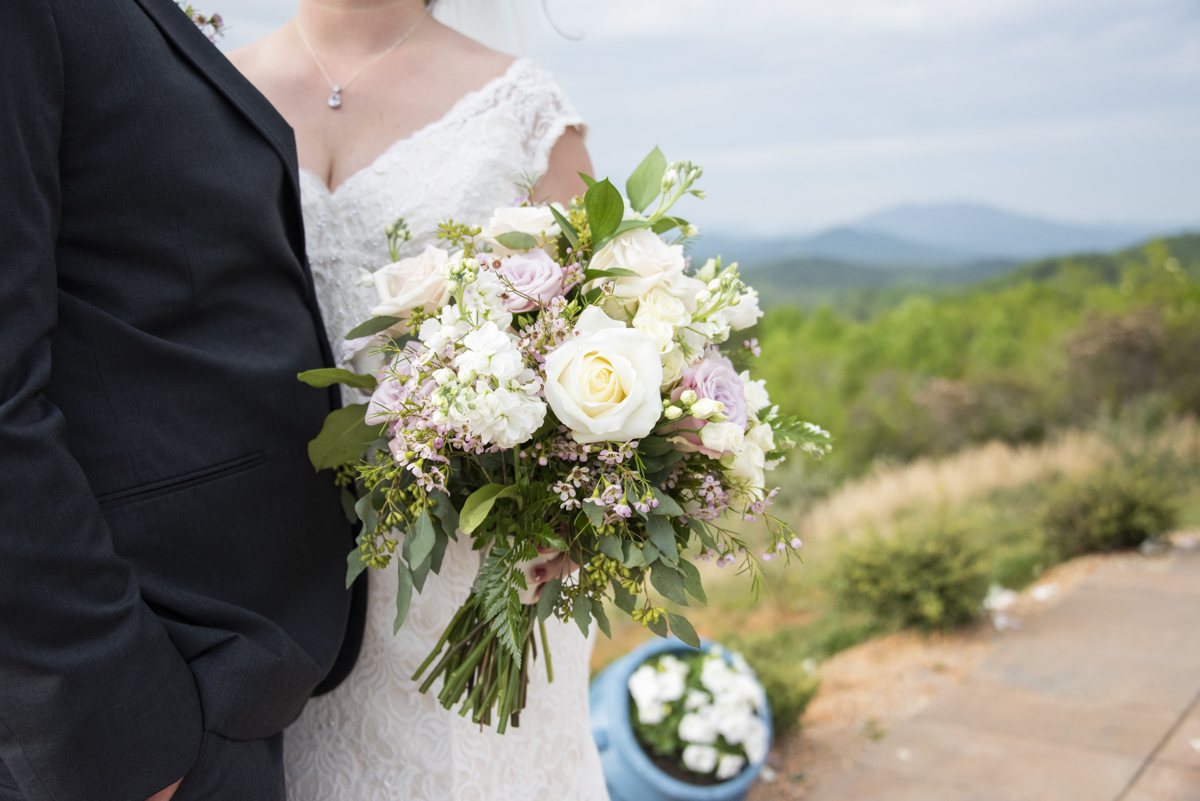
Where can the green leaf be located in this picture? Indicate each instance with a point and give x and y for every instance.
(682, 629)
(588, 180)
(328, 376)
(691, 581)
(645, 183)
(654, 446)
(610, 546)
(517, 240)
(344, 437)
(372, 326)
(445, 512)
(421, 572)
(354, 560)
(595, 514)
(348, 502)
(633, 555)
(605, 208)
(583, 613)
(662, 534)
(615, 272)
(659, 627)
(354, 565)
(623, 598)
(476, 509)
(565, 225)
(421, 539)
(545, 605)
(629, 225)
(668, 583)
(601, 619)
(404, 590)
(440, 542)
(703, 533)
(650, 552)
(666, 504)
(664, 224)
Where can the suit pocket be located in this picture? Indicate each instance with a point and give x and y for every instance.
(167, 486)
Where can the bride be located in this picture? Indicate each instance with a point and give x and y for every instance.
(397, 115)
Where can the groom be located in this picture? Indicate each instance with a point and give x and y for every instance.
(171, 567)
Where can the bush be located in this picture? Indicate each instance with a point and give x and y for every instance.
(931, 576)
(1110, 510)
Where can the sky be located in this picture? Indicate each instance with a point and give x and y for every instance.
(810, 113)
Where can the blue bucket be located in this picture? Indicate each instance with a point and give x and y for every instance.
(628, 772)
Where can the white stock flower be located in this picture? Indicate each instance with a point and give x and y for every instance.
(762, 435)
(537, 221)
(700, 758)
(673, 363)
(604, 383)
(661, 304)
(411, 283)
(757, 398)
(490, 352)
(506, 417)
(745, 312)
(723, 437)
(660, 332)
(729, 766)
(640, 250)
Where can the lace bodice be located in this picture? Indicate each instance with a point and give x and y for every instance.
(375, 738)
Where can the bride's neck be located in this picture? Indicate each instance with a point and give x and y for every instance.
(350, 28)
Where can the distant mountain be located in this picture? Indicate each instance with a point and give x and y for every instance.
(845, 244)
(984, 231)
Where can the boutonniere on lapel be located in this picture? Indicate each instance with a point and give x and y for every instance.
(211, 26)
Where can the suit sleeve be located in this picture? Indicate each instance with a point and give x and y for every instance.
(95, 701)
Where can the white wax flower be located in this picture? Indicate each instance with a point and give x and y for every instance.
(411, 283)
(700, 758)
(745, 312)
(537, 221)
(729, 766)
(603, 384)
(723, 437)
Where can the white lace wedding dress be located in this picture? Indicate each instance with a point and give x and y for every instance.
(375, 736)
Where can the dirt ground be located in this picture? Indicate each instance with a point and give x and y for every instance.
(868, 689)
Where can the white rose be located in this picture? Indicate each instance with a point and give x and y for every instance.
(673, 363)
(722, 437)
(640, 250)
(745, 312)
(747, 471)
(660, 332)
(603, 384)
(411, 283)
(763, 436)
(537, 221)
(757, 398)
(660, 304)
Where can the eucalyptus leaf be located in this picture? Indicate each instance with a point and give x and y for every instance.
(565, 226)
(659, 627)
(344, 437)
(666, 504)
(354, 565)
(594, 513)
(328, 376)
(440, 542)
(445, 511)
(517, 240)
(605, 207)
(583, 613)
(545, 604)
(668, 583)
(476, 508)
(662, 534)
(404, 590)
(372, 326)
(691, 581)
(650, 552)
(703, 533)
(654, 446)
(623, 598)
(610, 546)
(682, 629)
(601, 619)
(348, 503)
(421, 539)
(645, 183)
(633, 555)
(421, 572)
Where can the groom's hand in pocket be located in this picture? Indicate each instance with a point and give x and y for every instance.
(167, 794)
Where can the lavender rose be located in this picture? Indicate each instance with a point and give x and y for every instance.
(715, 379)
(535, 277)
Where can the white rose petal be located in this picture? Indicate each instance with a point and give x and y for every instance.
(723, 437)
(411, 283)
(660, 303)
(655, 262)
(673, 363)
(537, 221)
(660, 332)
(762, 435)
(603, 384)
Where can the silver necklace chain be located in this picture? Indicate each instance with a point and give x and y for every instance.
(335, 95)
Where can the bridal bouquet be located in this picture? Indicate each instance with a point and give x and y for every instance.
(553, 384)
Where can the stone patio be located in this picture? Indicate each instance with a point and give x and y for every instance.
(1097, 700)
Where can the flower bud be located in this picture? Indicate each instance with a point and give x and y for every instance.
(703, 296)
(689, 397)
(673, 412)
(705, 408)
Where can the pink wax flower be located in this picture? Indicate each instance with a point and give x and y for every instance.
(536, 279)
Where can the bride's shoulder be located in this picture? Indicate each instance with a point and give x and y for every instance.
(468, 60)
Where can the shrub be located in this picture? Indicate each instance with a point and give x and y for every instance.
(931, 576)
(1109, 510)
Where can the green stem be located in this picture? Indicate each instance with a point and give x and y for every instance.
(445, 635)
(546, 651)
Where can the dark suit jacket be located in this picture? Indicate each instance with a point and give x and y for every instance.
(169, 560)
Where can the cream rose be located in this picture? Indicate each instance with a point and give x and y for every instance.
(672, 365)
(723, 438)
(604, 383)
(411, 283)
(662, 305)
(640, 250)
(537, 221)
(659, 332)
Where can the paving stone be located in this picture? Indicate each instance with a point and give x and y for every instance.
(1184, 746)
(863, 784)
(1129, 728)
(1000, 767)
(1177, 574)
(1165, 782)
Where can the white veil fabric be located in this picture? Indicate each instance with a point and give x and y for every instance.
(510, 26)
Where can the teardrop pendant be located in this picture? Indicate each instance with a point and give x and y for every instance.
(335, 97)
